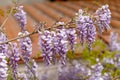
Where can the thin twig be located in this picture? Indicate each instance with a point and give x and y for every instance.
(34, 32)
(118, 77)
(7, 17)
(18, 37)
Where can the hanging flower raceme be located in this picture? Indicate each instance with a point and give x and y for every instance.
(91, 32)
(3, 62)
(45, 43)
(85, 28)
(81, 26)
(71, 37)
(25, 45)
(103, 16)
(21, 17)
(13, 60)
(60, 42)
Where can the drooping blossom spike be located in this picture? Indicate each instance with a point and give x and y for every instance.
(25, 45)
(91, 32)
(114, 45)
(13, 60)
(3, 62)
(81, 25)
(60, 42)
(103, 16)
(71, 37)
(45, 43)
(85, 28)
(54, 47)
(21, 17)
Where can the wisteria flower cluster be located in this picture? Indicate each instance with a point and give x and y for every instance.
(103, 16)
(85, 27)
(3, 62)
(21, 17)
(54, 44)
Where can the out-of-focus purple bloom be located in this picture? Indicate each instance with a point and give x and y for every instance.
(85, 28)
(45, 43)
(103, 16)
(97, 69)
(25, 45)
(13, 60)
(3, 62)
(44, 76)
(71, 37)
(73, 72)
(108, 60)
(117, 60)
(31, 75)
(106, 77)
(21, 17)
(114, 45)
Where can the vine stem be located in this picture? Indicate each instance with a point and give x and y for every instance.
(116, 78)
(34, 32)
(6, 19)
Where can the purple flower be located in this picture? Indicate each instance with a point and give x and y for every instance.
(81, 26)
(60, 43)
(117, 60)
(3, 62)
(85, 28)
(21, 17)
(13, 60)
(25, 45)
(106, 77)
(91, 32)
(45, 43)
(103, 16)
(71, 37)
(75, 71)
(97, 69)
